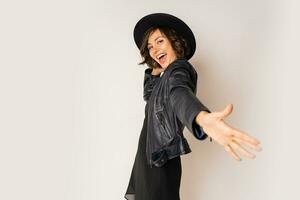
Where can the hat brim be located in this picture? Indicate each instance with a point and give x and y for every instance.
(164, 19)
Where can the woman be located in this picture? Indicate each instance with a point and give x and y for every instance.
(166, 43)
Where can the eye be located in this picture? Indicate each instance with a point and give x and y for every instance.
(160, 41)
(149, 48)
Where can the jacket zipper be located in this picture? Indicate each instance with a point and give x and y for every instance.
(162, 122)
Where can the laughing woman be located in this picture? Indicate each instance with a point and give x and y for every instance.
(166, 44)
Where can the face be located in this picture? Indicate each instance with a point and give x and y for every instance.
(160, 49)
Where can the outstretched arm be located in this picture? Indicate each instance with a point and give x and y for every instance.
(191, 111)
(185, 104)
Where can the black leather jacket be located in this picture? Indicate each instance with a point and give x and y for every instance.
(171, 105)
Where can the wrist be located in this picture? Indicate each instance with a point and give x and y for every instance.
(200, 116)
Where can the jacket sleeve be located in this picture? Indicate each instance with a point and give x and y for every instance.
(183, 100)
(149, 83)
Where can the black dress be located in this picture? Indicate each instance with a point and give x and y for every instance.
(156, 183)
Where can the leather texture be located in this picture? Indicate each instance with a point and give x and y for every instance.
(171, 105)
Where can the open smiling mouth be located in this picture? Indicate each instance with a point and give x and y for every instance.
(162, 58)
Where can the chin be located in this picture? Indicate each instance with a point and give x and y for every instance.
(166, 65)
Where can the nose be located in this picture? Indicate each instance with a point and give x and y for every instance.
(155, 49)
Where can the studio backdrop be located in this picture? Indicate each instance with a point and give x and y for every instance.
(72, 108)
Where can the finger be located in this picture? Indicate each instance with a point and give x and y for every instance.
(232, 153)
(237, 146)
(224, 113)
(252, 146)
(244, 136)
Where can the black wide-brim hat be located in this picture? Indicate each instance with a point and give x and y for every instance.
(164, 19)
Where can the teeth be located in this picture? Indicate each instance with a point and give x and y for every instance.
(159, 56)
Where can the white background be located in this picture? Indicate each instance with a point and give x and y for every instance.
(71, 106)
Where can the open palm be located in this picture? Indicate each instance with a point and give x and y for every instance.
(230, 138)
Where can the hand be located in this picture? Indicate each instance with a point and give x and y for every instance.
(230, 138)
(157, 70)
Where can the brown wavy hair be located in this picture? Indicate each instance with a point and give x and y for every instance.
(178, 43)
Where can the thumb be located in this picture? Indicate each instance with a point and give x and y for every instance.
(224, 113)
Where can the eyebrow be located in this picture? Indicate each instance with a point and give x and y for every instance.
(155, 39)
